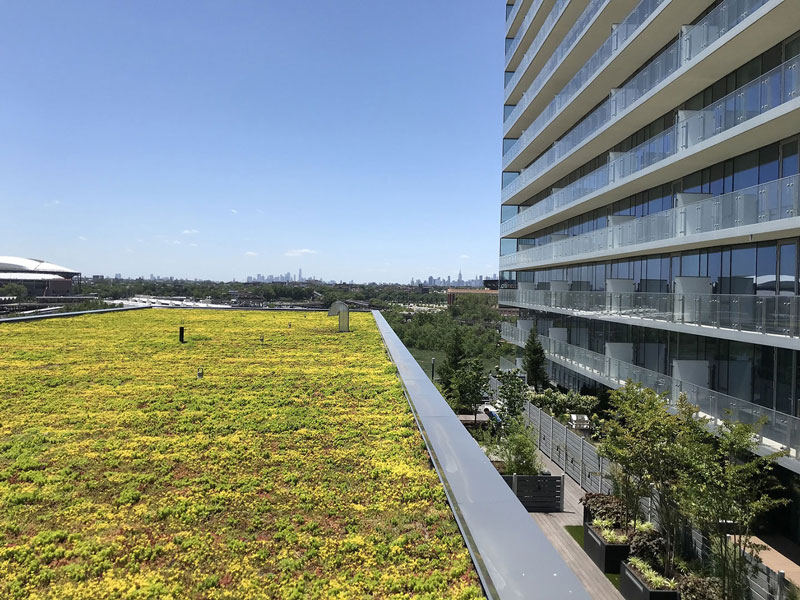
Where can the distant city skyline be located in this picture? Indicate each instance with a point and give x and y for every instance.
(430, 280)
(220, 140)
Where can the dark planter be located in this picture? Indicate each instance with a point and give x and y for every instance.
(587, 514)
(633, 588)
(538, 493)
(607, 557)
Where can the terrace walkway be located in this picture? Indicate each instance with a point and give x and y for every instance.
(552, 524)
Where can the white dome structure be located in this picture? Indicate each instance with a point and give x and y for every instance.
(15, 264)
(38, 276)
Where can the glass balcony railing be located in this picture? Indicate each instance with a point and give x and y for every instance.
(538, 41)
(507, 364)
(523, 29)
(513, 14)
(580, 26)
(771, 201)
(768, 314)
(774, 88)
(780, 430)
(604, 53)
(682, 52)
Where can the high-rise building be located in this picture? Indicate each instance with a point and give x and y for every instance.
(650, 222)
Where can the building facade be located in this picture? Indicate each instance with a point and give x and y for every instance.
(650, 218)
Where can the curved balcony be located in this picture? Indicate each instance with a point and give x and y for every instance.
(534, 48)
(718, 315)
(715, 218)
(695, 132)
(513, 17)
(712, 32)
(604, 54)
(598, 14)
(780, 431)
(531, 24)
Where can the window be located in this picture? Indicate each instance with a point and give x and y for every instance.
(765, 269)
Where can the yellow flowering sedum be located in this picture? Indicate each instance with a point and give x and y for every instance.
(291, 469)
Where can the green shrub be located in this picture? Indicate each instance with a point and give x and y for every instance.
(651, 577)
(695, 587)
(605, 506)
(647, 544)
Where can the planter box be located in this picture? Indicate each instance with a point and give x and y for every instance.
(538, 493)
(633, 588)
(607, 557)
(587, 515)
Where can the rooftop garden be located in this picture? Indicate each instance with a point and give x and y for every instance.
(268, 456)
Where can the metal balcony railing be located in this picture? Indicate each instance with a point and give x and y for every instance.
(774, 88)
(780, 431)
(677, 55)
(767, 202)
(766, 314)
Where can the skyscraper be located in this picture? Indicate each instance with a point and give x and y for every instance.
(649, 204)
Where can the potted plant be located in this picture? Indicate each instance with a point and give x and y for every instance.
(606, 544)
(639, 581)
(515, 447)
(641, 576)
(601, 506)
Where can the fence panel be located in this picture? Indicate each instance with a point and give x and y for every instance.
(574, 467)
(560, 442)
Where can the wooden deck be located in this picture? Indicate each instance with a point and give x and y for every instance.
(552, 524)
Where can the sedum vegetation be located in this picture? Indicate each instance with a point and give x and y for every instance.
(292, 469)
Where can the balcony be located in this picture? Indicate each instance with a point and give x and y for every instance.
(531, 28)
(588, 31)
(761, 211)
(780, 431)
(514, 17)
(585, 69)
(713, 46)
(751, 318)
(762, 111)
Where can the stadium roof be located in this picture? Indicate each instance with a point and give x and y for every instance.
(30, 276)
(14, 264)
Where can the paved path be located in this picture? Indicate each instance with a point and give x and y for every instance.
(552, 524)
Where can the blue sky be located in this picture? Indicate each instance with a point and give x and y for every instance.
(352, 139)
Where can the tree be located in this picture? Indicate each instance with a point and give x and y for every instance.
(656, 443)
(512, 393)
(14, 289)
(622, 445)
(454, 357)
(534, 362)
(517, 448)
(468, 387)
(726, 488)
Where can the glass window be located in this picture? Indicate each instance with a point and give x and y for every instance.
(714, 269)
(507, 246)
(506, 212)
(690, 264)
(789, 162)
(791, 49)
(783, 381)
(743, 270)
(765, 269)
(508, 177)
(768, 163)
(788, 269)
(745, 170)
(764, 372)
